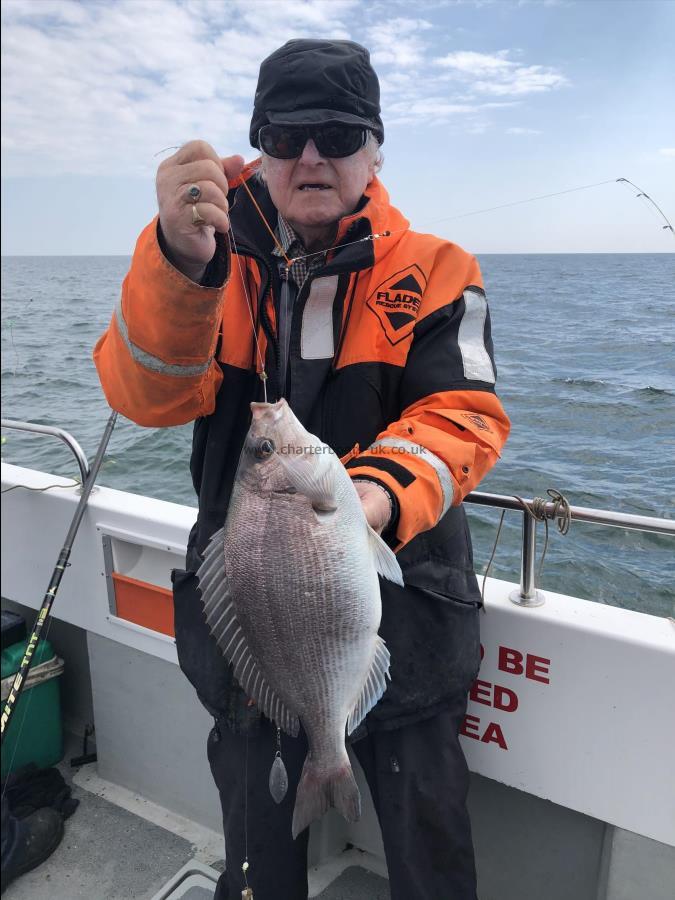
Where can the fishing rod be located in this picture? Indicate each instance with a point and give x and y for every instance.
(667, 226)
(60, 567)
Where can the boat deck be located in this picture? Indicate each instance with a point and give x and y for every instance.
(109, 852)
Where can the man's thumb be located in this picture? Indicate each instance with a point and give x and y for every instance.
(232, 166)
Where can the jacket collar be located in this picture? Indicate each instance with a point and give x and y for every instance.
(374, 216)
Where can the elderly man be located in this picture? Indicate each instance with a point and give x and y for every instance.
(379, 338)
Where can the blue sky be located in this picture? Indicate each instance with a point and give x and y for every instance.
(484, 103)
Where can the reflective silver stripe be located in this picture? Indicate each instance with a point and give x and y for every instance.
(471, 338)
(443, 472)
(153, 363)
(316, 339)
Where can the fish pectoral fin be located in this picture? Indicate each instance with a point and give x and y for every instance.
(312, 476)
(384, 558)
(374, 685)
(222, 621)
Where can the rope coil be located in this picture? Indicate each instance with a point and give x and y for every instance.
(538, 510)
(561, 514)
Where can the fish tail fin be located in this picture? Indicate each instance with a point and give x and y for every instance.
(319, 790)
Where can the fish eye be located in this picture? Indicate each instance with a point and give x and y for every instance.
(264, 448)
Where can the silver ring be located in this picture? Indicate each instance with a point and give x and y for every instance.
(196, 218)
(194, 192)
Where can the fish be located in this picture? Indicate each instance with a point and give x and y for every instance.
(291, 595)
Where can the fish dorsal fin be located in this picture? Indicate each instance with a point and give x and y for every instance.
(384, 558)
(313, 476)
(374, 686)
(221, 618)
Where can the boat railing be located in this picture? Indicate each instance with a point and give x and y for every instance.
(50, 431)
(538, 509)
(530, 510)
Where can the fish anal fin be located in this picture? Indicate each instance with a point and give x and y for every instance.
(374, 685)
(263, 695)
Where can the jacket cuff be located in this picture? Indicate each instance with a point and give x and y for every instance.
(389, 533)
(217, 270)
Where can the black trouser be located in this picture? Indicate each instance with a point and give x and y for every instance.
(418, 779)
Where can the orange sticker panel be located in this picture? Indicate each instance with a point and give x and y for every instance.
(396, 302)
(144, 604)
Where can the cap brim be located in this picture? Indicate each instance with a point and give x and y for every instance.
(318, 117)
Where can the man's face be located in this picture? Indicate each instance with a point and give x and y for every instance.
(312, 191)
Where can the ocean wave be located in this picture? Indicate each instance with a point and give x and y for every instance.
(582, 382)
(650, 390)
(645, 390)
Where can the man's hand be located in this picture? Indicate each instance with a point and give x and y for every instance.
(376, 504)
(191, 245)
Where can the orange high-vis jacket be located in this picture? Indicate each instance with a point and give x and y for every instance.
(391, 359)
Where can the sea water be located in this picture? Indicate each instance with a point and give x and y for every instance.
(585, 349)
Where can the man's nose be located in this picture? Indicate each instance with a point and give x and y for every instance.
(310, 154)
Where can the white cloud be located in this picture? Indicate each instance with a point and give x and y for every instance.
(547, 3)
(517, 130)
(497, 74)
(667, 151)
(398, 41)
(100, 87)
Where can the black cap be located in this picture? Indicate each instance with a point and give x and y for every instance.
(307, 82)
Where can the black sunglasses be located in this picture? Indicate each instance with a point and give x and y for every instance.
(332, 140)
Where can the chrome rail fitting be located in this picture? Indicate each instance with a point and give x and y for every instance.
(64, 436)
(527, 594)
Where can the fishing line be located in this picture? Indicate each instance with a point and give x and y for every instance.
(267, 225)
(249, 304)
(247, 893)
(492, 556)
(75, 482)
(10, 324)
(165, 150)
(476, 212)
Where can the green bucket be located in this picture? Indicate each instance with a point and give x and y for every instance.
(35, 733)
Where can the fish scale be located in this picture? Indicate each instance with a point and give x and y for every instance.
(291, 593)
(296, 621)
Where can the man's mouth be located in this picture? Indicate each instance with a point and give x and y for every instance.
(314, 186)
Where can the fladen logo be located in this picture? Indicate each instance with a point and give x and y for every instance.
(477, 420)
(396, 302)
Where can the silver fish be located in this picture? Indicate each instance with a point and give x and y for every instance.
(291, 595)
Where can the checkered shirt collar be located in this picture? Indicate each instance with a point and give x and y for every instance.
(293, 246)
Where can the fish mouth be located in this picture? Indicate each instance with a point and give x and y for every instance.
(268, 410)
